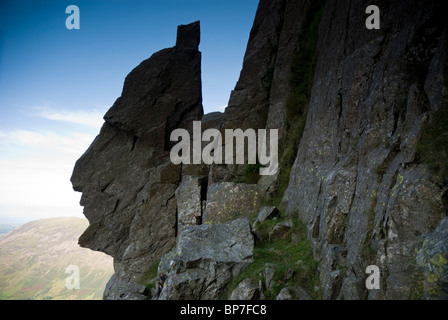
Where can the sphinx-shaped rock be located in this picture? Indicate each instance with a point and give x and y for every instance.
(126, 178)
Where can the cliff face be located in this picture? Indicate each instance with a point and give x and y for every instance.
(357, 112)
(260, 96)
(357, 181)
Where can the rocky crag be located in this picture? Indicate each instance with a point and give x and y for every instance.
(363, 178)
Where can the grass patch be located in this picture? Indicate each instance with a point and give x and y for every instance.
(286, 256)
(417, 291)
(150, 275)
(264, 228)
(251, 173)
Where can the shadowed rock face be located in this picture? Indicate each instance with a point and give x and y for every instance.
(126, 178)
(162, 93)
(260, 96)
(356, 180)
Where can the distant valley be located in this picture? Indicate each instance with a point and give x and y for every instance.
(34, 258)
(7, 227)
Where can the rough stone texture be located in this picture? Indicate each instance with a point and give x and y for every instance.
(268, 185)
(281, 231)
(294, 293)
(266, 212)
(189, 196)
(154, 222)
(246, 290)
(269, 273)
(259, 98)
(284, 294)
(124, 290)
(209, 121)
(206, 258)
(229, 200)
(263, 87)
(126, 176)
(249, 101)
(356, 181)
(212, 120)
(432, 259)
(288, 35)
(188, 36)
(163, 92)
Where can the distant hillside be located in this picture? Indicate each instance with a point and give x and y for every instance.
(35, 256)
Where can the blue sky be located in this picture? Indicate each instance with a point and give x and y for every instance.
(56, 84)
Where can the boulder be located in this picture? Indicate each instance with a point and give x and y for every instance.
(269, 273)
(230, 200)
(281, 231)
(189, 202)
(266, 212)
(284, 294)
(206, 258)
(247, 289)
(293, 293)
(212, 120)
(117, 289)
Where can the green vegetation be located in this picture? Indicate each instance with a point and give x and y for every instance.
(432, 148)
(417, 287)
(251, 173)
(286, 257)
(302, 72)
(150, 275)
(436, 268)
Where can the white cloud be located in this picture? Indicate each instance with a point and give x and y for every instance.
(92, 118)
(37, 182)
(35, 171)
(48, 142)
